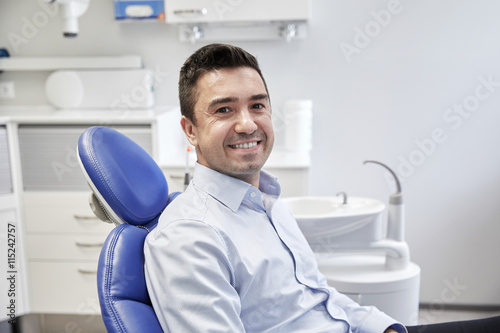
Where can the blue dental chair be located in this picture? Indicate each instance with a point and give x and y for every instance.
(129, 190)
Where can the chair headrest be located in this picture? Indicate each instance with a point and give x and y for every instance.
(124, 178)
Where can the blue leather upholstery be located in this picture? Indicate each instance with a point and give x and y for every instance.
(128, 179)
(132, 191)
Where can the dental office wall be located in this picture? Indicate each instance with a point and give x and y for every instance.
(413, 84)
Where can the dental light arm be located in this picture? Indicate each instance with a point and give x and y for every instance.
(70, 10)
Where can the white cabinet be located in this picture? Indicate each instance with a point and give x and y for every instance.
(202, 11)
(63, 242)
(230, 20)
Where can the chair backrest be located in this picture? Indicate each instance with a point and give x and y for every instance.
(129, 190)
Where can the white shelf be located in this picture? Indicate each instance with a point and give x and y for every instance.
(55, 63)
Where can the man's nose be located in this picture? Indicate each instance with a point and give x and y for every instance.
(245, 123)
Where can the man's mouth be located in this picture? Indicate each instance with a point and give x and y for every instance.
(245, 145)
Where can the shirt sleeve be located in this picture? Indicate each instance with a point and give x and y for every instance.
(190, 279)
(400, 328)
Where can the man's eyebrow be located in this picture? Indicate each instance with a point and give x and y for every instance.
(259, 97)
(223, 100)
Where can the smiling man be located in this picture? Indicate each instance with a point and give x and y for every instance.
(227, 255)
(231, 126)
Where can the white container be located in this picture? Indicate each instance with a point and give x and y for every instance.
(367, 281)
(103, 89)
(298, 129)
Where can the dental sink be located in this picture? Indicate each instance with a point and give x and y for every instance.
(333, 221)
(360, 247)
(328, 207)
(335, 224)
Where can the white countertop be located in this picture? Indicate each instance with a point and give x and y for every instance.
(48, 114)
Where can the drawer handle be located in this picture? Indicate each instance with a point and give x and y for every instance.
(85, 217)
(191, 12)
(87, 271)
(177, 177)
(97, 244)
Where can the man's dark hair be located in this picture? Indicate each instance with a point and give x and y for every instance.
(209, 58)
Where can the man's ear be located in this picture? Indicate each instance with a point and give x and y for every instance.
(190, 130)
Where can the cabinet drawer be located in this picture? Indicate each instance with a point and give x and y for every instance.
(55, 212)
(64, 247)
(63, 288)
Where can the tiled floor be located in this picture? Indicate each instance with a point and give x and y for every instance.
(93, 324)
(429, 316)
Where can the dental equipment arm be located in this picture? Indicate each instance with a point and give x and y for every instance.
(70, 11)
(395, 224)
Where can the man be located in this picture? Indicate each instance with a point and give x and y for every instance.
(227, 256)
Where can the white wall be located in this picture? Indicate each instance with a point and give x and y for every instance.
(382, 102)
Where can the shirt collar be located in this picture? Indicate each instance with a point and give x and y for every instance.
(231, 191)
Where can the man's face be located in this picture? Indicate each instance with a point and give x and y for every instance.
(233, 132)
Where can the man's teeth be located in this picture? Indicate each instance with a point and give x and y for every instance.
(245, 145)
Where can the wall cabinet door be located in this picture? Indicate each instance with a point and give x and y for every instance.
(201, 11)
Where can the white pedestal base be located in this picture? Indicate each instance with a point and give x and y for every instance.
(366, 280)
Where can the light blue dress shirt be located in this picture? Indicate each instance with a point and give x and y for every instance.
(228, 257)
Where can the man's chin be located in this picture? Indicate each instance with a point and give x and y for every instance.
(247, 171)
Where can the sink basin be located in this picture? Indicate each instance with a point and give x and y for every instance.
(327, 221)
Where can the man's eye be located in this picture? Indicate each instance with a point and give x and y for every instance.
(222, 110)
(258, 106)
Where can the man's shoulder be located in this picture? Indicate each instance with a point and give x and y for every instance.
(189, 205)
(186, 219)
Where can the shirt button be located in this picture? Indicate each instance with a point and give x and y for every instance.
(252, 194)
